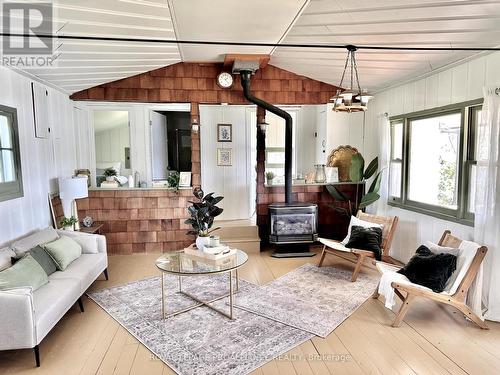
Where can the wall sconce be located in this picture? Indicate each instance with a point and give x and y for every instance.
(263, 126)
(195, 127)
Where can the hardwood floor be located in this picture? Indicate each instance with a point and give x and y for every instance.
(434, 339)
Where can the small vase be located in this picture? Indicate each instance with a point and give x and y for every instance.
(201, 242)
(269, 181)
(70, 228)
(320, 173)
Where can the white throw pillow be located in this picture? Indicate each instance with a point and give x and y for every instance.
(436, 249)
(360, 223)
(5, 258)
(38, 238)
(87, 241)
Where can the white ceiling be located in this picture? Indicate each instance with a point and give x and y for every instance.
(435, 23)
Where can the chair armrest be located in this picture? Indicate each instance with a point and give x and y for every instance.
(421, 291)
(367, 253)
(17, 325)
(101, 240)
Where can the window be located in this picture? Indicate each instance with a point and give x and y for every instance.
(11, 185)
(432, 164)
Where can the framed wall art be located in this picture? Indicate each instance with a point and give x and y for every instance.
(224, 157)
(224, 133)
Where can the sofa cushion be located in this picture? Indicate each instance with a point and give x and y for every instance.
(5, 258)
(87, 241)
(52, 301)
(359, 223)
(38, 238)
(63, 251)
(27, 272)
(86, 269)
(41, 256)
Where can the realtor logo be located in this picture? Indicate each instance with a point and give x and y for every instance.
(24, 28)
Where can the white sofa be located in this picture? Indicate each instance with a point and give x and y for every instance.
(27, 316)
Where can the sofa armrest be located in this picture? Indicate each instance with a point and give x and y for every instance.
(17, 326)
(101, 240)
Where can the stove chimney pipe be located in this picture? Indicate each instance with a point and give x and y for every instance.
(245, 83)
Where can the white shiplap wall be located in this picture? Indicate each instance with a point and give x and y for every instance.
(43, 160)
(454, 85)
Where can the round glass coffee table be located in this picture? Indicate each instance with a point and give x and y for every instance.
(185, 265)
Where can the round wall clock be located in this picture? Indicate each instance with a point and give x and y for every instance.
(225, 80)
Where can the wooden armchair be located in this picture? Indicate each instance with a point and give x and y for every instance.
(334, 247)
(457, 299)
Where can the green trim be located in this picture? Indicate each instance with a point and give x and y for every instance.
(12, 189)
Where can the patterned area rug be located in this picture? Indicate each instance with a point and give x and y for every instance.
(200, 341)
(313, 299)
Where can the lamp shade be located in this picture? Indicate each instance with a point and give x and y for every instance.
(71, 189)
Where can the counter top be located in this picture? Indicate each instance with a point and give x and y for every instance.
(138, 188)
(315, 184)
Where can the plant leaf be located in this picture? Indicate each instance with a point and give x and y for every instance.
(371, 169)
(375, 185)
(356, 168)
(368, 199)
(336, 194)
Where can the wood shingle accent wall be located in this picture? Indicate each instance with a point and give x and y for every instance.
(141, 220)
(196, 83)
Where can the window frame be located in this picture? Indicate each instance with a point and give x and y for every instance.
(12, 189)
(466, 146)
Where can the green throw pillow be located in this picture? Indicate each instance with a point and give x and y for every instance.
(41, 256)
(27, 272)
(63, 251)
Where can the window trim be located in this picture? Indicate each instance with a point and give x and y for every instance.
(13, 189)
(459, 215)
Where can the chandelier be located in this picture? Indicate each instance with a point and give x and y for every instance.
(352, 99)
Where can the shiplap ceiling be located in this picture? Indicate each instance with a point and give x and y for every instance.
(426, 23)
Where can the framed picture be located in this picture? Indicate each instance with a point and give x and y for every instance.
(224, 157)
(224, 133)
(185, 179)
(332, 174)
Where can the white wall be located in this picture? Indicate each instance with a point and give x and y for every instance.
(42, 160)
(233, 182)
(454, 85)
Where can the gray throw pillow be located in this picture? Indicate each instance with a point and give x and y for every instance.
(63, 251)
(27, 272)
(41, 256)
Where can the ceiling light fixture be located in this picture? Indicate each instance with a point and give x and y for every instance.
(352, 99)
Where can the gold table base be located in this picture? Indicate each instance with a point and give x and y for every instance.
(232, 292)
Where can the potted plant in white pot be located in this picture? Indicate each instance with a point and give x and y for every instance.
(202, 217)
(68, 223)
(110, 174)
(269, 177)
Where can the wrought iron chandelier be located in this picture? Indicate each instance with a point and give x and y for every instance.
(352, 99)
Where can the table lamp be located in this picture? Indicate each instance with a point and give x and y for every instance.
(70, 189)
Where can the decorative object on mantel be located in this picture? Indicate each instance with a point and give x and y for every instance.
(341, 158)
(224, 133)
(320, 175)
(224, 157)
(110, 174)
(310, 178)
(359, 174)
(269, 177)
(185, 179)
(87, 221)
(202, 215)
(353, 99)
(332, 175)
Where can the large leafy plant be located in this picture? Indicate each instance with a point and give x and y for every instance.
(203, 213)
(358, 174)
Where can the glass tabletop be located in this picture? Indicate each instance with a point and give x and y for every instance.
(185, 264)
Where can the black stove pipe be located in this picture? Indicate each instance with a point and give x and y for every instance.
(245, 83)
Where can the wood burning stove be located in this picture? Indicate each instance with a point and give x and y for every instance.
(294, 223)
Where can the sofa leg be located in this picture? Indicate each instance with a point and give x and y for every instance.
(106, 274)
(37, 356)
(80, 304)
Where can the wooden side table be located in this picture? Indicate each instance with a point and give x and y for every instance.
(94, 229)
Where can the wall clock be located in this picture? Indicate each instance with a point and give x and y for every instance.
(225, 80)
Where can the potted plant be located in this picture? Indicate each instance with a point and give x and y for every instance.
(68, 223)
(269, 177)
(173, 180)
(110, 174)
(202, 217)
(359, 175)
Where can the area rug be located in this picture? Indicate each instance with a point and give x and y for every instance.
(200, 341)
(312, 299)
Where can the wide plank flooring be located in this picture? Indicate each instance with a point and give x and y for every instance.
(434, 339)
